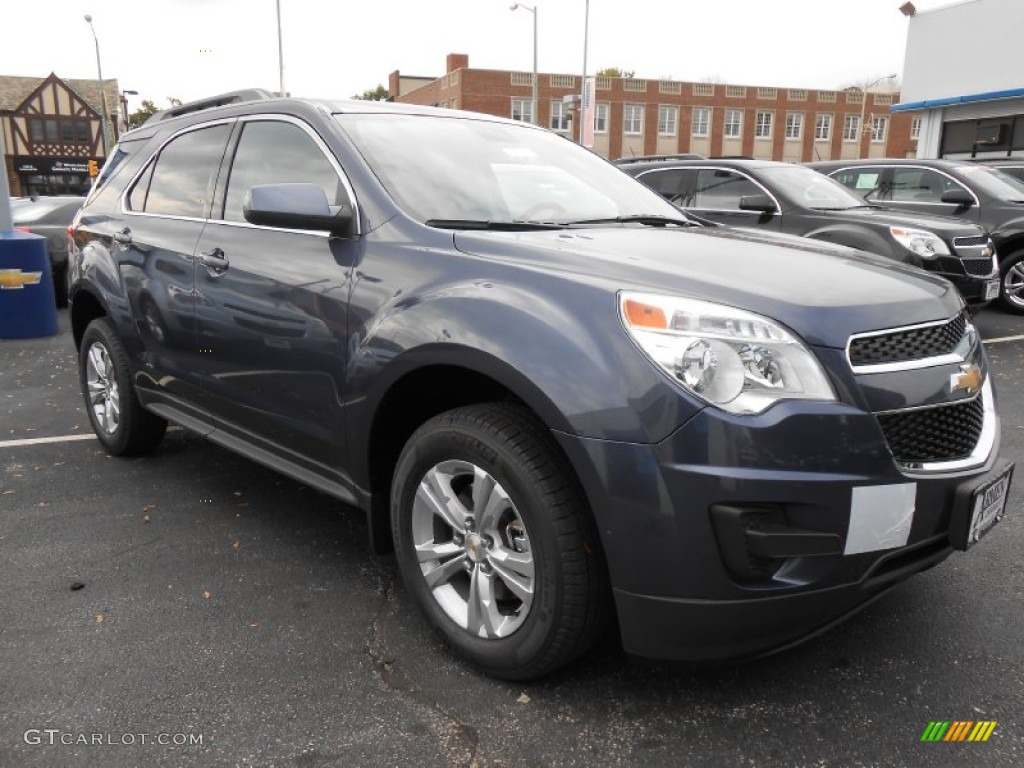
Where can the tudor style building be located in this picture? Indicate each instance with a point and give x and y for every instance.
(52, 128)
(636, 116)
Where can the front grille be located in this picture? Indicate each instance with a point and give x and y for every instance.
(942, 433)
(911, 344)
(978, 267)
(967, 242)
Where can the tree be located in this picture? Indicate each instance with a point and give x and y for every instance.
(146, 109)
(614, 72)
(380, 93)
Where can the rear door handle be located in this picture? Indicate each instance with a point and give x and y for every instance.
(124, 237)
(215, 260)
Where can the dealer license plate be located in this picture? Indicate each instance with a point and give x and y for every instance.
(991, 289)
(987, 505)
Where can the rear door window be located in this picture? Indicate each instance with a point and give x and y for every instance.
(182, 179)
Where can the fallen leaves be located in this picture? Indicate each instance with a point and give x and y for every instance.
(100, 618)
(523, 699)
(207, 594)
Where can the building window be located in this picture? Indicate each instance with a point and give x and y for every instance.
(851, 127)
(522, 78)
(667, 86)
(883, 98)
(795, 125)
(797, 94)
(668, 120)
(823, 128)
(701, 119)
(733, 124)
(559, 117)
(763, 125)
(827, 97)
(522, 109)
(735, 92)
(51, 130)
(878, 126)
(82, 132)
(633, 84)
(603, 83)
(601, 117)
(703, 89)
(35, 128)
(767, 93)
(854, 97)
(562, 81)
(915, 128)
(633, 122)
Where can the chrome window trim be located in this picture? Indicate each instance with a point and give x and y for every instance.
(970, 334)
(949, 176)
(982, 450)
(752, 180)
(302, 124)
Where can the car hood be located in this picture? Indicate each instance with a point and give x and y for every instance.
(823, 292)
(941, 225)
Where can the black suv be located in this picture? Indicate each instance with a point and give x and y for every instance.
(965, 189)
(545, 386)
(788, 198)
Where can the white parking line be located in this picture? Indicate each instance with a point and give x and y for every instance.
(44, 440)
(1004, 338)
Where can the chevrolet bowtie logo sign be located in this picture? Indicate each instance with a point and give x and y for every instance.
(968, 380)
(15, 279)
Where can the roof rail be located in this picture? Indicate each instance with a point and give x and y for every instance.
(653, 158)
(233, 97)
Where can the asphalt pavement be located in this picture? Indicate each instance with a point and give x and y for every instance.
(191, 608)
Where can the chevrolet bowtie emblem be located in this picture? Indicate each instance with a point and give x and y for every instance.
(969, 380)
(15, 279)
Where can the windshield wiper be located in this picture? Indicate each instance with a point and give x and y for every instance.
(496, 226)
(650, 219)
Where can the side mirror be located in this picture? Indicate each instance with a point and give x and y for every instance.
(958, 197)
(295, 206)
(759, 203)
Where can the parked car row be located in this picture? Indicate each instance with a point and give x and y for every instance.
(554, 395)
(959, 219)
(49, 217)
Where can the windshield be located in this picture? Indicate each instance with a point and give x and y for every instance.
(810, 189)
(464, 169)
(993, 182)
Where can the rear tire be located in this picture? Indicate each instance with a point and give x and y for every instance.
(1011, 282)
(120, 422)
(495, 542)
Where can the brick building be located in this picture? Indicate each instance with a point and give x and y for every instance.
(52, 128)
(634, 116)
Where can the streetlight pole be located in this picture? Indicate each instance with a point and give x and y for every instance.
(280, 50)
(863, 107)
(584, 112)
(124, 106)
(103, 92)
(533, 10)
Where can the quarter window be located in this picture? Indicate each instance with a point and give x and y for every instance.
(701, 119)
(733, 123)
(634, 119)
(272, 152)
(763, 126)
(184, 174)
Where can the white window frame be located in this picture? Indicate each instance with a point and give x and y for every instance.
(559, 120)
(633, 119)
(601, 110)
(823, 120)
(879, 129)
(668, 120)
(700, 125)
(525, 110)
(915, 128)
(763, 121)
(851, 128)
(733, 129)
(794, 125)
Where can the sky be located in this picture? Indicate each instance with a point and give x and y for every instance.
(189, 49)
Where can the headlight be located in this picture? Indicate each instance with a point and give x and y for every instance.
(731, 358)
(919, 241)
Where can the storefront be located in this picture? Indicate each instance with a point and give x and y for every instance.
(52, 175)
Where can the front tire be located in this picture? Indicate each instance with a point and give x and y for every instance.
(120, 422)
(1011, 288)
(495, 543)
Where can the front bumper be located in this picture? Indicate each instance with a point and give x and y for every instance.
(688, 587)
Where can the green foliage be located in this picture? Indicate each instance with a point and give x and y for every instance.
(615, 72)
(147, 108)
(380, 93)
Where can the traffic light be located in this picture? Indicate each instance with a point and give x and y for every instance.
(94, 168)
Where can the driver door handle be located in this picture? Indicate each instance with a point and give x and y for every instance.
(215, 260)
(124, 237)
